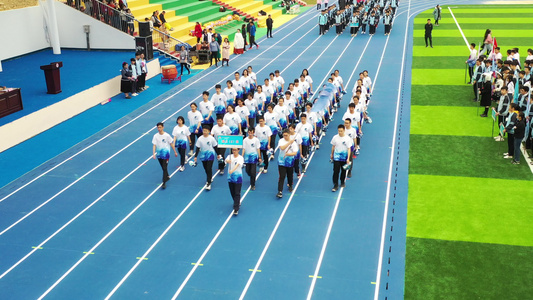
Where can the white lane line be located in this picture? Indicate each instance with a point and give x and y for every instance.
(113, 230)
(464, 37)
(274, 231)
(147, 132)
(324, 245)
(389, 180)
(284, 26)
(199, 261)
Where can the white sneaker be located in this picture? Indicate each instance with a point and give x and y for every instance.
(369, 120)
(182, 168)
(208, 186)
(191, 153)
(134, 94)
(265, 171)
(507, 156)
(146, 87)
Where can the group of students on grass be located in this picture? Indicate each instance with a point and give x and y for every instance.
(261, 113)
(508, 83)
(358, 15)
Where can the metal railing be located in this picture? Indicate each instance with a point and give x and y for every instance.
(124, 21)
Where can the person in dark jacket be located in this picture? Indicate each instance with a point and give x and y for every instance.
(519, 133)
(269, 23)
(510, 124)
(485, 91)
(251, 32)
(243, 32)
(427, 36)
(126, 80)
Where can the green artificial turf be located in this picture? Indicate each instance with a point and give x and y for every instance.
(474, 18)
(438, 76)
(471, 209)
(522, 34)
(451, 270)
(439, 63)
(442, 95)
(449, 120)
(465, 156)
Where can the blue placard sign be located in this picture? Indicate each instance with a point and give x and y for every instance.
(494, 115)
(501, 129)
(230, 141)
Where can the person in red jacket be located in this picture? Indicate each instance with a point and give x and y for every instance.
(198, 32)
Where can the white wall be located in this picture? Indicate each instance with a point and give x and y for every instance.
(22, 31)
(71, 35)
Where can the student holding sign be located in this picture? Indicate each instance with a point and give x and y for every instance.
(252, 155)
(235, 163)
(287, 151)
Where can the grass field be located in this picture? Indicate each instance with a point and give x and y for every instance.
(469, 234)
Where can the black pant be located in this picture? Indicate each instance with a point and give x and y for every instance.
(251, 170)
(235, 191)
(273, 141)
(337, 168)
(198, 40)
(363, 28)
(164, 166)
(264, 156)
(221, 152)
(182, 155)
(372, 29)
(269, 31)
(322, 29)
(470, 72)
(186, 67)
(305, 151)
(284, 172)
(510, 144)
(193, 139)
(387, 28)
(353, 30)
(252, 41)
(476, 90)
(430, 40)
(141, 80)
(339, 28)
(437, 22)
(297, 166)
(214, 55)
(208, 167)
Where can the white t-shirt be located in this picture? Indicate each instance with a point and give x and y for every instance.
(274, 84)
(194, 118)
(230, 94)
(243, 112)
(251, 104)
(263, 134)
(271, 119)
(253, 76)
(206, 146)
(246, 81)
(162, 145)
(220, 130)
(355, 117)
(219, 100)
(232, 119)
(260, 99)
(304, 129)
(289, 160)
(268, 90)
(352, 133)
(309, 80)
(312, 117)
(238, 84)
(181, 134)
(279, 80)
(251, 146)
(342, 144)
(367, 82)
(206, 107)
(282, 110)
(304, 86)
(236, 176)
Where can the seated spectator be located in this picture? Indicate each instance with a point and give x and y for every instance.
(164, 21)
(155, 20)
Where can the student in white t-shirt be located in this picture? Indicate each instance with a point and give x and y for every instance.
(233, 121)
(162, 142)
(219, 101)
(195, 125)
(207, 108)
(283, 112)
(352, 133)
(272, 120)
(305, 130)
(181, 135)
(269, 93)
(235, 163)
(280, 81)
(287, 151)
(230, 93)
(243, 112)
(338, 78)
(260, 99)
(263, 133)
(238, 85)
(275, 86)
(340, 153)
(251, 151)
(309, 80)
(252, 106)
(206, 149)
(298, 139)
(253, 77)
(216, 131)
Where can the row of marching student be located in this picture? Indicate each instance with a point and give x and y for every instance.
(508, 83)
(261, 112)
(358, 16)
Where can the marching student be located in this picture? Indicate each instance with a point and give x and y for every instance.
(235, 163)
(181, 135)
(309, 80)
(272, 120)
(354, 23)
(304, 85)
(251, 151)
(280, 81)
(247, 82)
(238, 85)
(162, 142)
(305, 130)
(274, 84)
(216, 131)
(253, 76)
(260, 99)
(340, 153)
(195, 125)
(233, 121)
(207, 108)
(219, 101)
(387, 20)
(206, 148)
(312, 118)
(298, 139)
(263, 133)
(338, 22)
(230, 93)
(298, 94)
(367, 82)
(372, 24)
(243, 112)
(252, 106)
(290, 103)
(350, 131)
(322, 22)
(283, 111)
(268, 90)
(339, 80)
(364, 22)
(287, 151)
(355, 121)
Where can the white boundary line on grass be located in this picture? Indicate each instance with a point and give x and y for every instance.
(148, 110)
(464, 37)
(131, 143)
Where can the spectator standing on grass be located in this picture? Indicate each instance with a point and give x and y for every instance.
(485, 92)
(471, 60)
(437, 14)
(269, 23)
(509, 128)
(487, 43)
(519, 133)
(429, 29)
